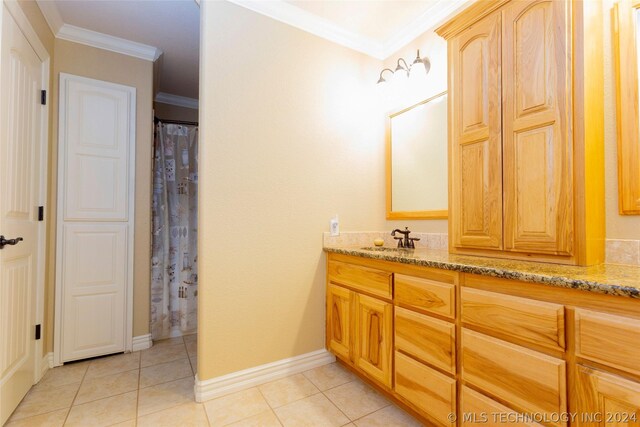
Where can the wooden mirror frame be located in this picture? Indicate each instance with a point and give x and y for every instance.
(626, 61)
(430, 214)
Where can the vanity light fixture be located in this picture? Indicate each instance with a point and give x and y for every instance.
(402, 66)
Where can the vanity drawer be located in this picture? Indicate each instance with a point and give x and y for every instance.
(430, 391)
(536, 322)
(480, 410)
(370, 280)
(424, 294)
(527, 380)
(608, 339)
(430, 340)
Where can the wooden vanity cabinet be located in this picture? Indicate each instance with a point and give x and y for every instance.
(543, 350)
(605, 343)
(373, 337)
(360, 318)
(526, 130)
(339, 309)
(606, 400)
(425, 343)
(491, 351)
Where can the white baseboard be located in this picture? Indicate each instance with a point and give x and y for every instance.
(141, 342)
(46, 364)
(247, 378)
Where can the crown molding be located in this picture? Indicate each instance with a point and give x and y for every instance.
(307, 21)
(51, 15)
(107, 42)
(179, 101)
(428, 20)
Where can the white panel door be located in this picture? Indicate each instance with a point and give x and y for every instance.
(94, 299)
(95, 222)
(20, 126)
(97, 148)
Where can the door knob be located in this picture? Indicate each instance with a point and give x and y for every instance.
(11, 242)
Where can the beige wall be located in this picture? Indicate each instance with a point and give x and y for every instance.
(291, 135)
(173, 112)
(100, 64)
(618, 226)
(39, 24)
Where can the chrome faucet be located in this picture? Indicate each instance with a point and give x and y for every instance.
(406, 241)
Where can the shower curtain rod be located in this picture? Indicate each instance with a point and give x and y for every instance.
(175, 122)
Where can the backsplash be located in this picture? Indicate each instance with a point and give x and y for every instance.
(616, 251)
(366, 238)
(622, 252)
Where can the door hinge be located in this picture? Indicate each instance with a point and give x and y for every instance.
(37, 332)
(40, 213)
(43, 97)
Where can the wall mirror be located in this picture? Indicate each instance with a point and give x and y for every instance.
(627, 59)
(417, 161)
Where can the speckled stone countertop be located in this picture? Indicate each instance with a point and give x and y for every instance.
(611, 279)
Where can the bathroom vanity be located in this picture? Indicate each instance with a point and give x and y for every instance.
(465, 340)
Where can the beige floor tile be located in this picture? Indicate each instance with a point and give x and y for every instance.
(165, 396)
(190, 337)
(165, 372)
(194, 364)
(329, 376)
(192, 347)
(264, 419)
(391, 416)
(104, 412)
(128, 423)
(287, 390)
(111, 385)
(313, 411)
(356, 399)
(234, 407)
(113, 365)
(50, 419)
(40, 401)
(168, 342)
(71, 373)
(162, 354)
(189, 414)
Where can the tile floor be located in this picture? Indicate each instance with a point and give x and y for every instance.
(154, 387)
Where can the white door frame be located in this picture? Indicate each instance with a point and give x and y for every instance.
(59, 297)
(41, 364)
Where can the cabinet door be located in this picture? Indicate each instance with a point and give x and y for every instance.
(373, 337)
(339, 321)
(476, 136)
(537, 140)
(606, 400)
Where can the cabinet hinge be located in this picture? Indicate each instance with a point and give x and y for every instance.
(40, 213)
(43, 97)
(37, 332)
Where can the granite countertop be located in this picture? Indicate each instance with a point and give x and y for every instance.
(611, 279)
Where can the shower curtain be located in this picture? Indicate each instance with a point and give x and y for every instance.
(174, 278)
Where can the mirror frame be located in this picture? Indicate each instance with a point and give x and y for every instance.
(430, 214)
(626, 62)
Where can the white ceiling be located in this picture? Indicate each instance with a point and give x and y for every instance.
(173, 26)
(378, 20)
(375, 27)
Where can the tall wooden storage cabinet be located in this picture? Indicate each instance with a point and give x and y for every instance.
(526, 130)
